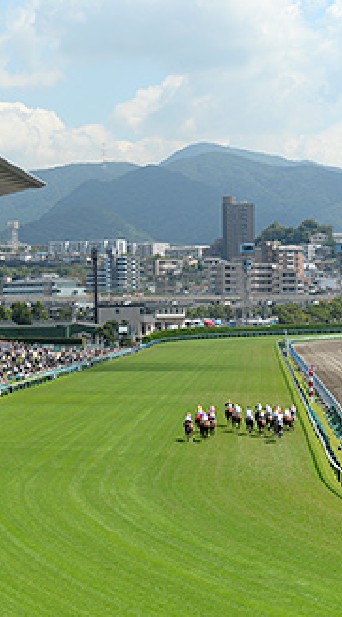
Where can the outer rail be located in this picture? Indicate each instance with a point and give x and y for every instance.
(314, 420)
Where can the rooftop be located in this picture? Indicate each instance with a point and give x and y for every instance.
(13, 179)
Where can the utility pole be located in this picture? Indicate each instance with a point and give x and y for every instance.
(94, 258)
(247, 251)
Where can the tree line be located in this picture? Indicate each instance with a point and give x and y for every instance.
(322, 311)
(22, 314)
(295, 235)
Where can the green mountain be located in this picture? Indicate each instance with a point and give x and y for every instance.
(150, 202)
(208, 148)
(60, 182)
(287, 194)
(180, 199)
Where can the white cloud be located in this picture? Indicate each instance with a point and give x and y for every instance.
(37, 138)
(262, 75)
(147, 101)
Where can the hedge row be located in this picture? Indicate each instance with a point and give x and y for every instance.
(245, 331)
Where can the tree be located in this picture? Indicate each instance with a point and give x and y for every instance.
(39, 312)
(295, 235)
(5, 313)
(109, 331)
(21, 313)
(65, 313)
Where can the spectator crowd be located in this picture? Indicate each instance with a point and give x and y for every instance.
(21, 361)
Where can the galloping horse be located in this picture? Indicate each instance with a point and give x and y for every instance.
(269, 419)
(189, 429)
(288, 420)
(228, 412)
(278, 426)
(249, 423)
(204, 427)
(236, 417)
(198, 420)
(261, 422)
(212, 425)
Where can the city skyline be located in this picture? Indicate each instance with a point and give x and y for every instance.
(136, 80)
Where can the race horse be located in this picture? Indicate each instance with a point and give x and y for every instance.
(198, 420)
(228, 412)
(278, 427)
(204, 428)
(289, 421)
(261, 423)
(212, 426)
(236, 418)
(269, 420)
(189, 430)
(249, 423)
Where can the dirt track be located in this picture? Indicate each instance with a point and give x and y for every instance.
(326, 356)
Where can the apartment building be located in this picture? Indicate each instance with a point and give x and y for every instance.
(231, 277)
(116, 274)
(42, 286)
(238, 226)
(287, 257)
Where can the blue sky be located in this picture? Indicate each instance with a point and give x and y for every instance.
(136, 80)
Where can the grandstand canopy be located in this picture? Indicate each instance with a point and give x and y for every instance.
(14, 179)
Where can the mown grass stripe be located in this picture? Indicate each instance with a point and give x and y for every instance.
(105, 511)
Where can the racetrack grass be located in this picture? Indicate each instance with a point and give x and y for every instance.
(105, 510)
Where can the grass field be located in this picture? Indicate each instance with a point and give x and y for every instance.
(105, 510)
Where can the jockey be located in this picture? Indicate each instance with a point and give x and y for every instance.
(212, 412)
(205, 417)
(249, 413)
(188, 417)
(237, 410)
(287, 412)
(268, 410)
(280, 417)
(258, 407)
(293, 410)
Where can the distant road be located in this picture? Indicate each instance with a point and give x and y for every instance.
(181, 299)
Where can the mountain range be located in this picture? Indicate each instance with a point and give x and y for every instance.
(177, 201)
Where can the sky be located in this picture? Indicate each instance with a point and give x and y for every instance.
(136, 80)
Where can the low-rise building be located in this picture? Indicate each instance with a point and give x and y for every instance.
(232, 277)
(195, 251)
(142, 320)
(46, 285)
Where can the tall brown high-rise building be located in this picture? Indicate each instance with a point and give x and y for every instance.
(238, 226)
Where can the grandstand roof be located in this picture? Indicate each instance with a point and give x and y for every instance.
(14, 179)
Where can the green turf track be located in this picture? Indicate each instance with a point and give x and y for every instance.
(106, 511)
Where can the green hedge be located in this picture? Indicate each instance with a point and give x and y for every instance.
(279, 329)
